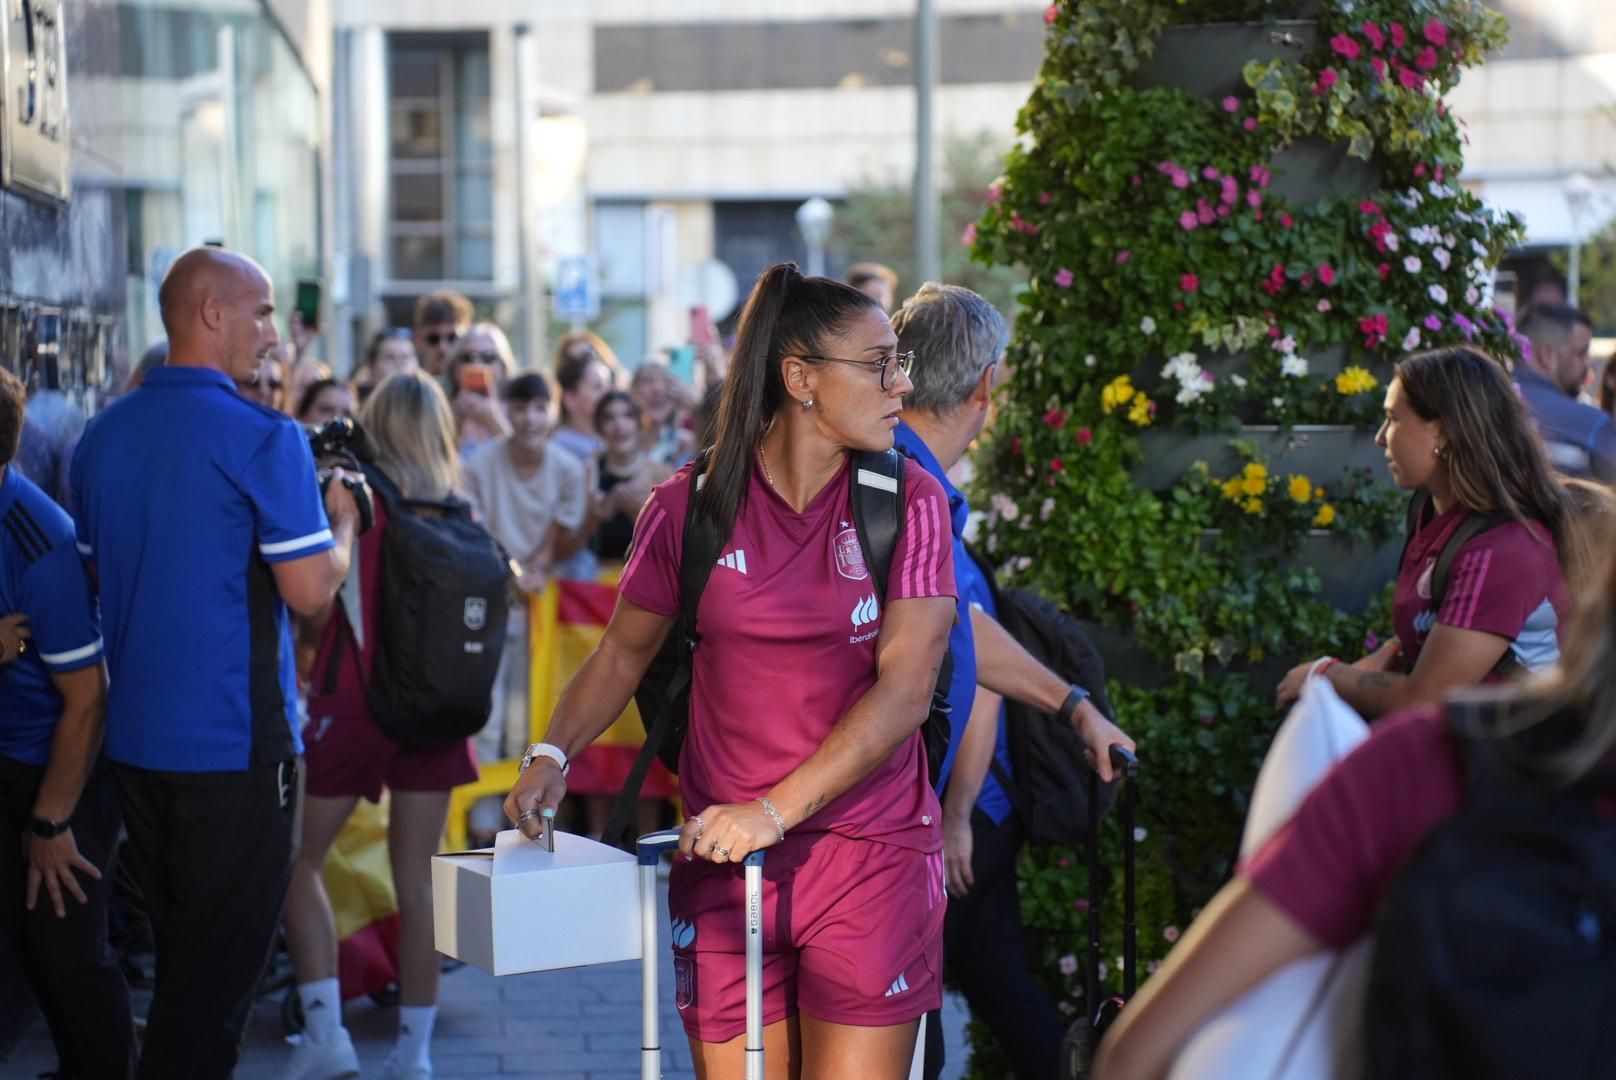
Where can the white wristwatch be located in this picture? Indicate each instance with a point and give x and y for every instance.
(544, 749)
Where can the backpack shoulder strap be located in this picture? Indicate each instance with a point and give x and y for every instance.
(1417, 503)
(1472, 527)
(699, 551)
(878, 494)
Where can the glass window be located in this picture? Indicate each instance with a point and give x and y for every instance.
(417, 257)
(417, 196)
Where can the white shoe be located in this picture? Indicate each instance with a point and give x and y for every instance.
(392, 1070)
(333, 1059)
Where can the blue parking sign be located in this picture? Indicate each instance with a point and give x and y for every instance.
(577, 289)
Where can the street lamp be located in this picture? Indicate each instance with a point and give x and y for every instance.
(813, 221)
(1579, 193)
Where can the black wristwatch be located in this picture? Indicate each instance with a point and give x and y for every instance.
(1074, 697)
(44, 828)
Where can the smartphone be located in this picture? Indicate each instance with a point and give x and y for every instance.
(477, 378)
(682, 363)
(701, 327)
(308, 302)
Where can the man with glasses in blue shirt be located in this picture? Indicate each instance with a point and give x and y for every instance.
(957, 341)
(203, 523)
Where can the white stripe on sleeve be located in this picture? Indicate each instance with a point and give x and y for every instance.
(72, 656)
(283, 546)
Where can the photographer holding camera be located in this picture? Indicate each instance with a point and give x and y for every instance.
(203, 522)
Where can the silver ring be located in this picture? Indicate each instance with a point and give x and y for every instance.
(724, 851)
(700, 825)
(528, 815)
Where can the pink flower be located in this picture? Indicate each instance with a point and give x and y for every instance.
(1064, 278)
(1136, 180)
(1439, 171)
(1080, 904)
(1323, 306)
(1249, 123)
(1345, 46)
(1436, 33)
(1409, 78)
(1210, 173)
(1057, 465)
(1399, 35)
(1084, 436)
(1231, 104)
(1181, 179)
(1254, 198)
(1171, 934)
(1326, 274)
(968, 237)
(1188, 221)
(1384, 270)
(1369, 206)
(1327, 79)
(1433, 322)
(1260, 176)
(1419, 170)
(1055, 418)
(1223, 210)
(1045, 198)
(1426, 59)
(1307, 280)
(1371, 642)
(1380, 69)
(1189, 283)
(1123, 256)
(1376, 38)
(1051, 13)
(1203, 210)
(995, 190)
(1286, 221)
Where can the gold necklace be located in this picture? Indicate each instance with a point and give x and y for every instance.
(763, 459)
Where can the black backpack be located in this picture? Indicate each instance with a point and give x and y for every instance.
(1495, 952)
(444, 604)
(877, 481)
(1050, 786)
(1472, 527)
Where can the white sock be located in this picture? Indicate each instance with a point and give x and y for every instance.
(415, 1034)
(322, 1008)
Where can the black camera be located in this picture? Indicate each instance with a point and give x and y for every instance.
(347, 442)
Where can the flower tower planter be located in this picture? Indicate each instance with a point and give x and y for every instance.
(1230, 229)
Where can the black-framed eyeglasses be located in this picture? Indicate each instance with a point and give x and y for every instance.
(435, 339)
(904, 362)
(480, 357)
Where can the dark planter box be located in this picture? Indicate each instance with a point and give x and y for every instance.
(1320, 452)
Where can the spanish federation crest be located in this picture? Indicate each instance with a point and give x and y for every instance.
(476, 613)
(849, 555)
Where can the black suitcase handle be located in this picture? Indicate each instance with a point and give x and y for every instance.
(1125, 765)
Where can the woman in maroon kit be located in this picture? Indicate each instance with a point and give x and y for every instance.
(807, 697)
(1456, 429)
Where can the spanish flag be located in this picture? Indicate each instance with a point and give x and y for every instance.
(359, 880)
(566, 623)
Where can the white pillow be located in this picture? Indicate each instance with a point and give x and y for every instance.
(1304, 1021)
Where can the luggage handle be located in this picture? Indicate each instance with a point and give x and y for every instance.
(648, 852)
(1124, 765)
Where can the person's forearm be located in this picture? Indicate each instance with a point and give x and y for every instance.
(343, 532)
(872, 729)
(73, 751)
(1006, 668)
(594, 698)
(974, 757)
(1372, 693)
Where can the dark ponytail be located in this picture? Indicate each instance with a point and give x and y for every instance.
(787, 313)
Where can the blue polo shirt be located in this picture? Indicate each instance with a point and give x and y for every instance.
(186, 494)
(42, 577)
(1579, 439)
(973, 591)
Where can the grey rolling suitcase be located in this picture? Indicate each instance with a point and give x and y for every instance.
(649, 849)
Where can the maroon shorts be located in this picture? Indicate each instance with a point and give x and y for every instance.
(345, 753)
(852, 934)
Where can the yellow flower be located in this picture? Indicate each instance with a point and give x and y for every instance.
(1325, 517)
(1255, 469)
(1254, 483)
(1355, 380)
(1139, 412)
(1301, 489)
(1119, 391)
(1318, 493)
(1253, 506)
(1231, 489)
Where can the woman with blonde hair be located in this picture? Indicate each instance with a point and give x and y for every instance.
(348, 757)
(478, 368)
(1457, 435)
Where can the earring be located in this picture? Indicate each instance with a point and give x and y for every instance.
(1436, 451)
(808, 402)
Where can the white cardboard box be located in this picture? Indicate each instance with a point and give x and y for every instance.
(519, 908)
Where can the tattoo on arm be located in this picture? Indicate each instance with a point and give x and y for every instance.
(1379, 679)
(816, 806)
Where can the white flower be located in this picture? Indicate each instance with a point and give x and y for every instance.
(1005, 507)
(1068, 965)
(1412, 199)
(1189, 393)
(1286, 345)
(1412, 264)
(1472, 296)
(993, 543)
(1347, 6)
(1139, 834)
(1238, 380)
(1147, 325)
(1438, 293)
(1440, 191)
(1449, 239)
(1090, 360)
(1442, 256)
(1183, 369)
(1294, 366)
(1478, 247)
(1278, 403)
(1391, 241)
(1020, 563)
(1425, 234)
(1412, 341)
(1045, 509)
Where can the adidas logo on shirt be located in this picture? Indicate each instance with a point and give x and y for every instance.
(735, 560)
(899, 985)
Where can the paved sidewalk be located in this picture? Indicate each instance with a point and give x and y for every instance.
(580, 1024)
